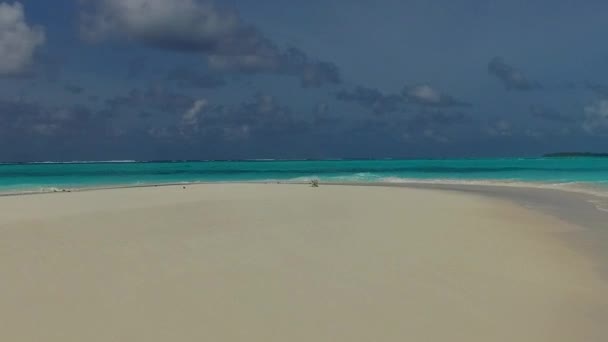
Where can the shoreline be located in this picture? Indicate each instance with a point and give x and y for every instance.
(588, 188)
(513, 191)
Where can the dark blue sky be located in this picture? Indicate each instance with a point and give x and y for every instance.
(190, 79)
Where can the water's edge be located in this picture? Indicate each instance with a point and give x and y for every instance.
(585, 206)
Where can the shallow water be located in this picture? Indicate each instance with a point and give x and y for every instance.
(582, 174)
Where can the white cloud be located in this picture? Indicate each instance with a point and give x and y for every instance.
(190, 119)
(596, 117)
(176, 24)
(424, 94)
(18, 40)
(229, 44)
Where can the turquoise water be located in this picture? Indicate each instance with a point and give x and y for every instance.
(49, 176)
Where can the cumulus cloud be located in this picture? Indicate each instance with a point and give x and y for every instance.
(229, 43)
(190, 119)
(550, 114)
(18, 40)
(422, 95)
(512, 78)
(269, 59)
(596, 117)
(186, 25)
(371, 98)
(426, 95)
(263, 117)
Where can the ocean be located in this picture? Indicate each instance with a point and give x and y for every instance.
(586, 173)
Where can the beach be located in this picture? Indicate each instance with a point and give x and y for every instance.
(289, 262)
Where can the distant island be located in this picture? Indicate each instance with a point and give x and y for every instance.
(575, 154)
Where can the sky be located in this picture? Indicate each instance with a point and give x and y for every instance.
(236, 79)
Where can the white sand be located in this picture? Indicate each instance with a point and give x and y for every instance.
(291, 263)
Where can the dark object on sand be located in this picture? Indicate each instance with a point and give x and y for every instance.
(314, 183)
